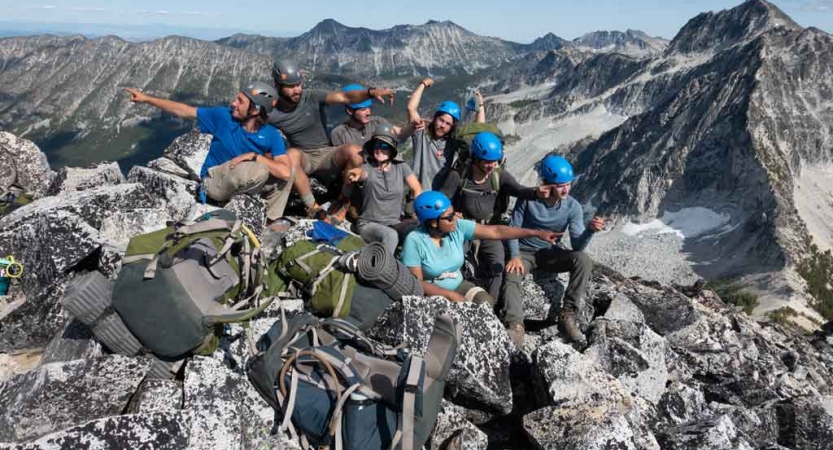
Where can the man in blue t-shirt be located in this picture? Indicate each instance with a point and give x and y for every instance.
(246, 154)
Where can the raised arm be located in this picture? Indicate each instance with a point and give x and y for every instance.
(178, 109)
(481, 108)
(416, 97)
(351, 97)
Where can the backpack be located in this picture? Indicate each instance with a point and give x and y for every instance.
(463, 137)
(311, 266)
(13, 199)
(178, 286)
(338, 389)
(501, 201)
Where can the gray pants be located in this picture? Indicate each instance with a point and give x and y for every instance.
(249, 177)
(376, 232)
(556, 260)
(490, 256)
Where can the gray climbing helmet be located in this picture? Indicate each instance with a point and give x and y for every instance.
(264, 96)
(383, 133)
(286, 73)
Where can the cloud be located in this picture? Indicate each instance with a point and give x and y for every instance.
(87, 9)
(161, 11)
(200, 13)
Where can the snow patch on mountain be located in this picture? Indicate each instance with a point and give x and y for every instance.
(686, 223)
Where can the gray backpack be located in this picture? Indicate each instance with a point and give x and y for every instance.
(334, 388)
(177, 287)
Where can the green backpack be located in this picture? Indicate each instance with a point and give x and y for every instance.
(179, 285)
(311, 266)
(463, 137)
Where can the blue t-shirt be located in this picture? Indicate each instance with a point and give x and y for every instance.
(231, 139)
(440, 265)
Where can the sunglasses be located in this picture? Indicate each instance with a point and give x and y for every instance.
(448, 218)
(382, 146)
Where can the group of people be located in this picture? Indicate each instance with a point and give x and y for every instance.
(455, 199)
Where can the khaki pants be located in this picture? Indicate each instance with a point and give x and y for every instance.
(250, 177)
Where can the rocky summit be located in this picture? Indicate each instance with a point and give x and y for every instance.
(664, 366)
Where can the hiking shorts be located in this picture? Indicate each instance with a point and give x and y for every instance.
(320, 161)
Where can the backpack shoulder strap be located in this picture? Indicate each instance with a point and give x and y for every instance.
(416, 373)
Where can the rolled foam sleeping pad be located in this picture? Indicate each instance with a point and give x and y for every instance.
(381, 270)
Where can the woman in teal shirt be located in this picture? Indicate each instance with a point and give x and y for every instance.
(434, 251)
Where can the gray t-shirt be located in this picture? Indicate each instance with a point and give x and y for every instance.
(432, 159)
(346, 134)
(383, 193)
(305, 126)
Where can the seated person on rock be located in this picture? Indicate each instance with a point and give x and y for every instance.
(299, 115)
(557, 212)
(360, 125)
(381, 182)
(246, 155)
(481, 194)
(434, 251)
(433, 142)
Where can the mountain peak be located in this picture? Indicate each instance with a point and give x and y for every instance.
(718, 30)
(329, 25)
(547, 42)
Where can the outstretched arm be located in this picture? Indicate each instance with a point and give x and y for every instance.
(500, 232)
(350, 97)
(178, 109)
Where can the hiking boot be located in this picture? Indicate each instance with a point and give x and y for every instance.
(338, 211)
(315, 211)
(569, 329)
(515, 330)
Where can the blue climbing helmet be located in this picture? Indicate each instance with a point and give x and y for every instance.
(486, 146)
(450, 108)
(556, 169)
(357, 87)
(431, 205)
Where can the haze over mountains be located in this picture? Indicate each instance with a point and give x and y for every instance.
(734, 115)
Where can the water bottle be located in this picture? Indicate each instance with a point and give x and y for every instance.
(4, 283)
(471, 100)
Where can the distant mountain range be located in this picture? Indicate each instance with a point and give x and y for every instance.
(65, 91)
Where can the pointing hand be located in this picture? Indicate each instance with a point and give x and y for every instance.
(136, 96)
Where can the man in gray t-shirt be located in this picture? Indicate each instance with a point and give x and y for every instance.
(299, 115)
(351, 132)
(434, 149)
(360, 124)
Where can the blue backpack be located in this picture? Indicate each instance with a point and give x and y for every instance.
(332, 387)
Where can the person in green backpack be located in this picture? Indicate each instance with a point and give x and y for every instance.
(481, 193)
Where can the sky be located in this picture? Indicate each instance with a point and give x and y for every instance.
(520, 21)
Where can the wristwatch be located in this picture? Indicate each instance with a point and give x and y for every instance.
(253, 158)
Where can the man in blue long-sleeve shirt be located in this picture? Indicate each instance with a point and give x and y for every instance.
(561, 213)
